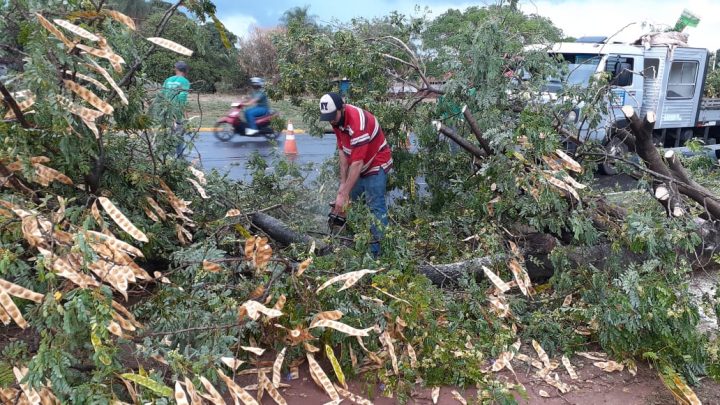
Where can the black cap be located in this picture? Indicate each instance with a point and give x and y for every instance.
(182, 66)
(329, 104)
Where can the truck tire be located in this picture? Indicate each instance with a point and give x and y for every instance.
(614, 146)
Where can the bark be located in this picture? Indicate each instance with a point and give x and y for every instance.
(475, 128)
(8, 177)
(668, 169)
(19, 116)
(472, 149)
(282, 234)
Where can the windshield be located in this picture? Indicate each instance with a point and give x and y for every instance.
(580, 67)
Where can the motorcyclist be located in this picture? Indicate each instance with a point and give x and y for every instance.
(257, 106)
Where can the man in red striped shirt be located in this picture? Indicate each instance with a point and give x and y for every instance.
(365, 159)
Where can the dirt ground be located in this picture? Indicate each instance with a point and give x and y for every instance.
(594, 386)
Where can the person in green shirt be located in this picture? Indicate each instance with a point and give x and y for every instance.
(175, 92)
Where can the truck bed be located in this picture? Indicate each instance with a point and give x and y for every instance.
(709, 110)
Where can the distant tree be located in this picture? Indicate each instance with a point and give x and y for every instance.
(138, 10)
(298, 15)
(257, 55)
(211, 64)
(452, 31)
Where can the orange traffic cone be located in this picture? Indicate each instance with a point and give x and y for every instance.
(290, 145)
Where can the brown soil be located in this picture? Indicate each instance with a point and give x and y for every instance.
(594, 386)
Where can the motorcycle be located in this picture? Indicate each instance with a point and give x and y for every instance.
(234, 124)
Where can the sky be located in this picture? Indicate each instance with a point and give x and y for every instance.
(575, 17)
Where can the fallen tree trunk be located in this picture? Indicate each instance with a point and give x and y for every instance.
(671, 179)
(282, 234)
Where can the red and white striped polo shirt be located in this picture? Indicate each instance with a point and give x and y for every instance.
(361, 138)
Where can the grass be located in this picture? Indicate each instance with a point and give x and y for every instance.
(211, 107)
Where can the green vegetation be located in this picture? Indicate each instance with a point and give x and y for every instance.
(135, 315)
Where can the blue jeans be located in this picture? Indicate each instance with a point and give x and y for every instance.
(179, 134)
(372, 188)
(252, 113)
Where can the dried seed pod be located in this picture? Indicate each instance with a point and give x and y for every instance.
(237, 391)
(20, 292)
(211, 267)
(120, 17)
(45, 175)
(89, 96)
(199, 175)
(122, 220)
(330, 315)
(194, 397)
(215, 396)
(79, 31)
(521, 277)
(114, 243)
(341, 327)
(23, 105)
(349, 278)
(277, 367)
(161, 212)
(173, 46)
(568, 162)
(151, 214)
(233, 213)
(31, 394)
(569, 367)
(255, 350)
(115, 60)
(180, 396)
(11, 309)
(541, 353)
(110, 80)
(497, 281)
(254, 309)
(199, 188)
(321, 378)
(352, 397)
(386, 340)
(56, 32)
(303, 266)
(87, 79)
(4, 316)
(271, 390)
(280, 303)
(232, 362)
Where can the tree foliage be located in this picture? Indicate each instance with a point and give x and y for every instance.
(212, 65)
(257, 55)
(203, 288)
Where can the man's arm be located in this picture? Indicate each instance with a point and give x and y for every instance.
(343, 196)
(343, 167)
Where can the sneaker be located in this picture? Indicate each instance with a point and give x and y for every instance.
(250, 131)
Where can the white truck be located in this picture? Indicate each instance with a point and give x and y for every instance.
(667, 78)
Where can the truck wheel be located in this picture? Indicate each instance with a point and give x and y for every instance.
(614, 146)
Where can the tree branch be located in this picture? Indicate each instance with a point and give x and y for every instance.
(14, 106)
(474, 150)
(476, 130)
(138, 62)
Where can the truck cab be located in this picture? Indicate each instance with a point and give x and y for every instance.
(666, 78)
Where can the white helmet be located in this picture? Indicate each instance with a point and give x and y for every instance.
(257, 81)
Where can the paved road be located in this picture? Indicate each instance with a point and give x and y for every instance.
(232, 156)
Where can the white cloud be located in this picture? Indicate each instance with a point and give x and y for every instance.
(239, 24)
(606, 17)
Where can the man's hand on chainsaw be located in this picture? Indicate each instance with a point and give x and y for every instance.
(341, 202)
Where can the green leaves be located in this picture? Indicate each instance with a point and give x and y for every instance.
(149, 383)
